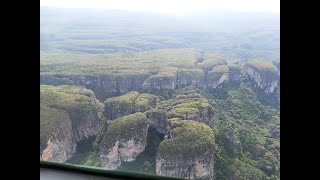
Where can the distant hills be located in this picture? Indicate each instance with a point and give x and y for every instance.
(239, 36)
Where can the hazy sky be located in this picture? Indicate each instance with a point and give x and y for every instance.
(170, 6)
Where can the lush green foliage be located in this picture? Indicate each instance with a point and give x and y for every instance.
(84, 152)
(243, 171)
(189, 139)
(183, 112)
(246, 136)
(209, 60)
(118, 65)
(187, 102)
(191, 74)
(93, 160)
(73, 99)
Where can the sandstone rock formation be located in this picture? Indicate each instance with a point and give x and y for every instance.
(159, 119)
(222, 74)
(124, 140)
(129, 103)
(68, 114)
(264, 73)
(188, 152)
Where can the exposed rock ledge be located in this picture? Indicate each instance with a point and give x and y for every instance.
(264, 73)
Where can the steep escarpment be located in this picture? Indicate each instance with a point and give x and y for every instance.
(217, 76)
(124, 139)
(157, 72)
(187, 77)
(68, 114)
(103, 85)
(223, 74)
(188, 152)
(164, 80)
(264, 73)
(247, 136)
(129, 103)
(159, 119)
(115, 74)
(57, 142)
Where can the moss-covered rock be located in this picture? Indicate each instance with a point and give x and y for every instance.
(189, 151)
(159, 119)
(129, 103)
(190, 139)
(124, 140)
(125, 128)
(145, 102)
(185, 113)
(119, 106)
(264, 73)
(263, 65)
(211, 60)
(68, 114)
(188, 105)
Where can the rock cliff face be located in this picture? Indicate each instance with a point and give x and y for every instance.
(222, 74)
(159, 119)
(164, 80)
(188, 151)
(196, 69)
(217, 76)
(234, 72)
(68, 114)
(57, 142)
(233, 142)
(264, 73)
(125, 139)
(197, 168)
(187, 77)
(99, 84)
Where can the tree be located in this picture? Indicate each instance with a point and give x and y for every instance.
(146, 166)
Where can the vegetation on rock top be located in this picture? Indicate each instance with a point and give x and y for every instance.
(126, 127)
(50, 120)
(190, 139)
(264, 66)
(117, 65)
(129, 103)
